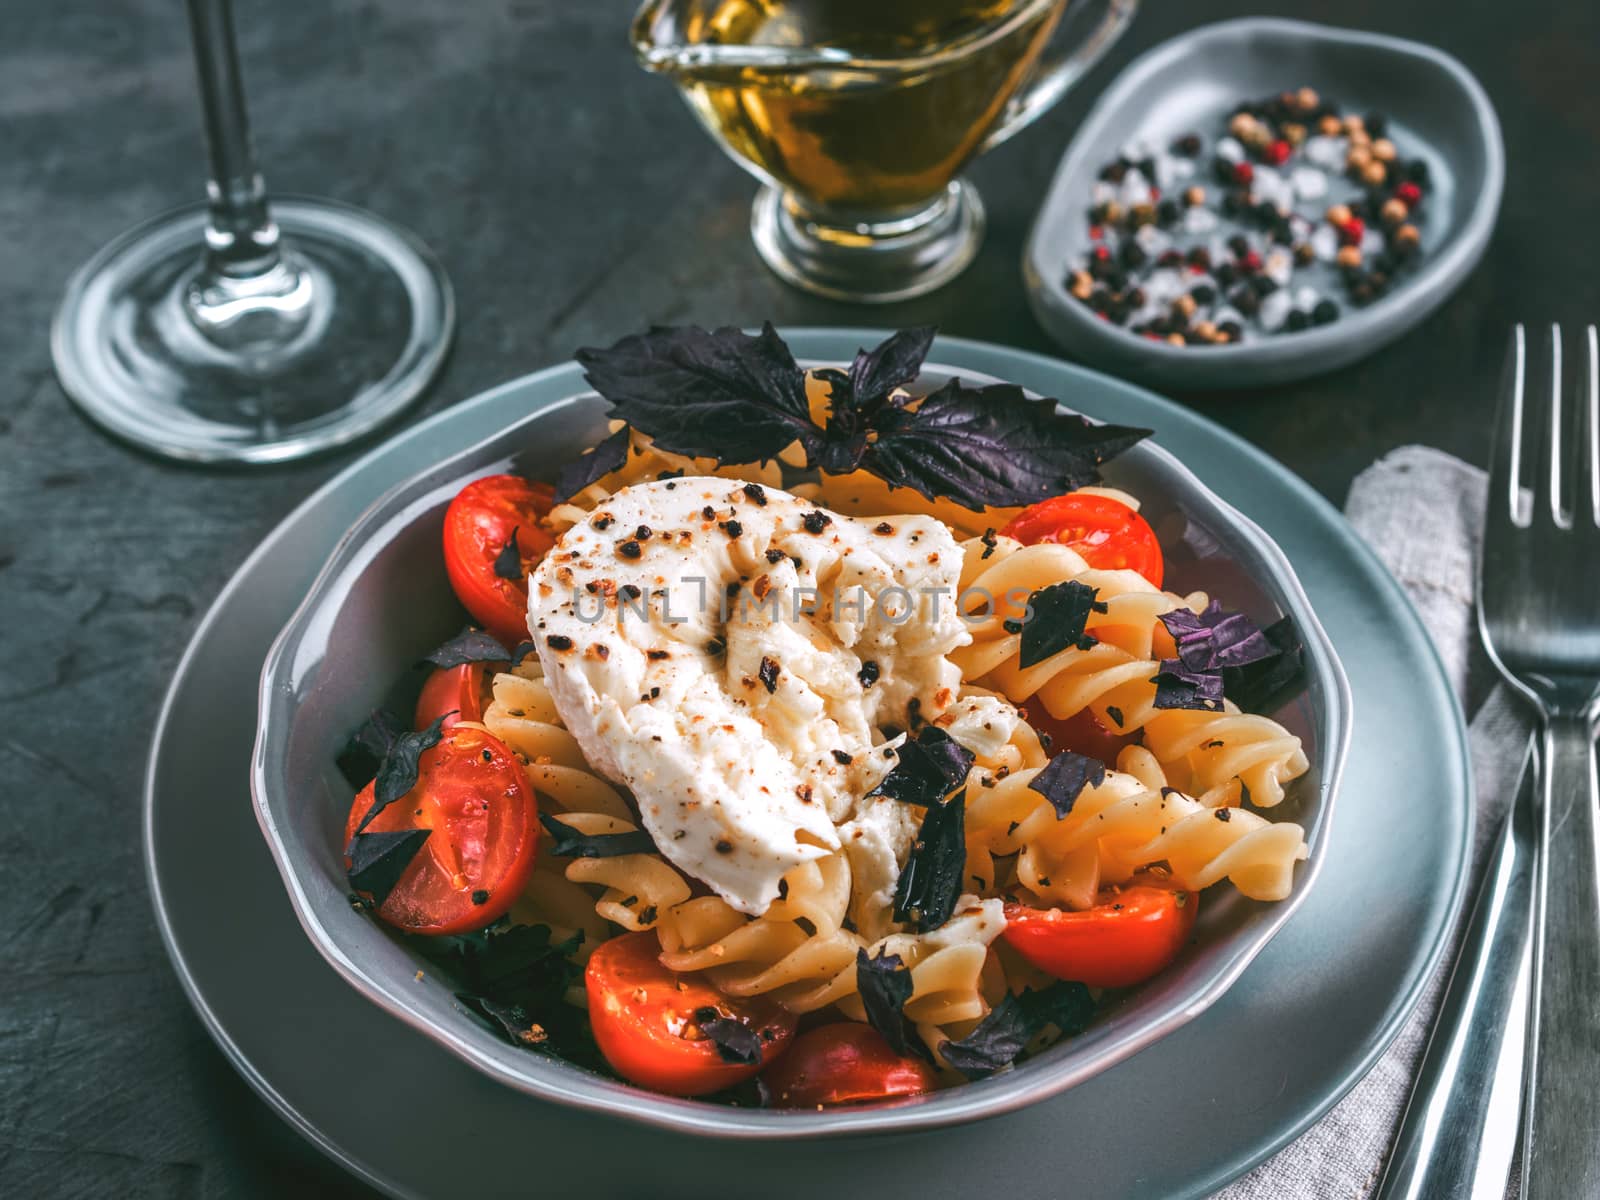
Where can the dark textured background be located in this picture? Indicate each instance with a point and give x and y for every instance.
(572, 200)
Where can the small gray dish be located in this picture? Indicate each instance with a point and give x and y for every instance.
(1436, 108)
(383, 600)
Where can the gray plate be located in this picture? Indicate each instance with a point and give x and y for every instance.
(1437, 109)
(348, 643)
(1304, 1023)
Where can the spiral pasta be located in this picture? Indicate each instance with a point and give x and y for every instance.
(809, 966)
(635, 889)
(1219, 756)
(1128, 821)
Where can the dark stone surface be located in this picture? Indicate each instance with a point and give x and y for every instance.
(572, 200)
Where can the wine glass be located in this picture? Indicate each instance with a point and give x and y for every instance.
(238, 332)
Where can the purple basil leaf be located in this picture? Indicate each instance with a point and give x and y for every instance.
(363, 754)
(1216, 639)
(508, 563)
(930, 882)
(926, 770)
(1267, 684)
(722, 395)
(1064, 777)
(469, 646)
(397, 774)
(1055, 620)
(1209, 645)
(884, 984)
(991, 447)
(513, 1020)
(895, 362)
(610, 455)
(735, 1041)
(1013, 1023)
(1179, 687)
(377, 860)
(859, 396)
(569, 843)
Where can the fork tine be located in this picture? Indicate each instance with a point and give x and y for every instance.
(1547, 435)
(1586, 490)
(1505, 467)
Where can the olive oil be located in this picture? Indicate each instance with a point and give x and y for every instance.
(917, 87)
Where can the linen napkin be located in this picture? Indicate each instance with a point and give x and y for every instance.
(1422, 512)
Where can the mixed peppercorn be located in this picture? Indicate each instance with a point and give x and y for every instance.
(1298, 192)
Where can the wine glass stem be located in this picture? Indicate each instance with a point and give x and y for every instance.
(241, 239)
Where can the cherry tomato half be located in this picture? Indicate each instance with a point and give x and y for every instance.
(1107, 533)
(475, 798)
(454, 693)
(846, 1063)
(1131, 934)
(646, 1020)
(1082, 734)
(480, 521)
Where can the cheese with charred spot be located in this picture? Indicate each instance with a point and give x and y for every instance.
(734, 655)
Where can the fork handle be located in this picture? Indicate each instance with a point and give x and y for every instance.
(1561, 1151)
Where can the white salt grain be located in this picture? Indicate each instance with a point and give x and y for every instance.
(1163, 286)
(1199, 219)
(1278, 267)
(1325, 243)
(1229, 150)
(1152, 240)
(1172, 171)
(1326, 152)
(1274, 311)
(1135, 189)
(1136, 149)
(1309, 183)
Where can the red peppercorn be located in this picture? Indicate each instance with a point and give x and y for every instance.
(1250, 261)
(1243, 172)
(1278, 153)
(1097, 233)
(1351, 232)
(1408, 192)
(1103, 253)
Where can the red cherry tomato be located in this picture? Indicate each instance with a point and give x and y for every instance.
(1107, 533)
(1131, 934)
(479, 523)
(475, 798)
(454, 693)
(646, 1020)
(1082, 734)
(846, 1063)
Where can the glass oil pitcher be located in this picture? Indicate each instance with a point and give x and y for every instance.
(858, 115)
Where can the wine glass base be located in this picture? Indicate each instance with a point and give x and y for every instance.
(362, 332)
(869, 261)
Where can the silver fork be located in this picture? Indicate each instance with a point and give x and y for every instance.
(1539, 611)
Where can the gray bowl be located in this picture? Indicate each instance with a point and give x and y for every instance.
(1439, 112)
(383, 600)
